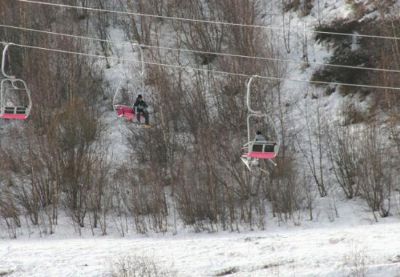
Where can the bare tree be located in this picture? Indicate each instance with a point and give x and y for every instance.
(376, 172)
(9, 212)
(314, 151)
(200, 36)
(76, 132)
(344, 155)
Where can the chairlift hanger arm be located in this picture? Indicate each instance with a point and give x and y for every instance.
(142, 72)
(3, 61)
(142, 64)
(248, 98)
(115, 94)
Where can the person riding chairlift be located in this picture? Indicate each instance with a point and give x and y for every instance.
(140, 107)
(259, 137)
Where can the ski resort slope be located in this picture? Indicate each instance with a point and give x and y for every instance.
(369, 250)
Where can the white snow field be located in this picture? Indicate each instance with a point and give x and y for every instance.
(365, 250)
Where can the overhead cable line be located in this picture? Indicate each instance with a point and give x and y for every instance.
(201, 20)
(202, 52)
(271, 78)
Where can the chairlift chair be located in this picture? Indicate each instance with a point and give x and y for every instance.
(258, 150)
(9, 87)
(127, 111)
(122, 110)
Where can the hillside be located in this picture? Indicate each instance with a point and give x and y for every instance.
(325, 76)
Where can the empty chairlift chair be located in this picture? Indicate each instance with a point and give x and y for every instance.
(15, 100)
(15, 96)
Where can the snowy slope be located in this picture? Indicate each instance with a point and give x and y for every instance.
(370, 249)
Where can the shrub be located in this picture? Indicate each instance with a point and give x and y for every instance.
(351, 114)
(356, 261)
(135, 266)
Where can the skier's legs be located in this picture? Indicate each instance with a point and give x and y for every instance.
(146, 117)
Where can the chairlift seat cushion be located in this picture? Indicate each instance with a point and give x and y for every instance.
(125, 111)
(13, 116)
(261, 155)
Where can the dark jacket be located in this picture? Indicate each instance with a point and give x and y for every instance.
(140, 105)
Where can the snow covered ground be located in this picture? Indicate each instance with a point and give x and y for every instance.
(349, 243)
(364, 250)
